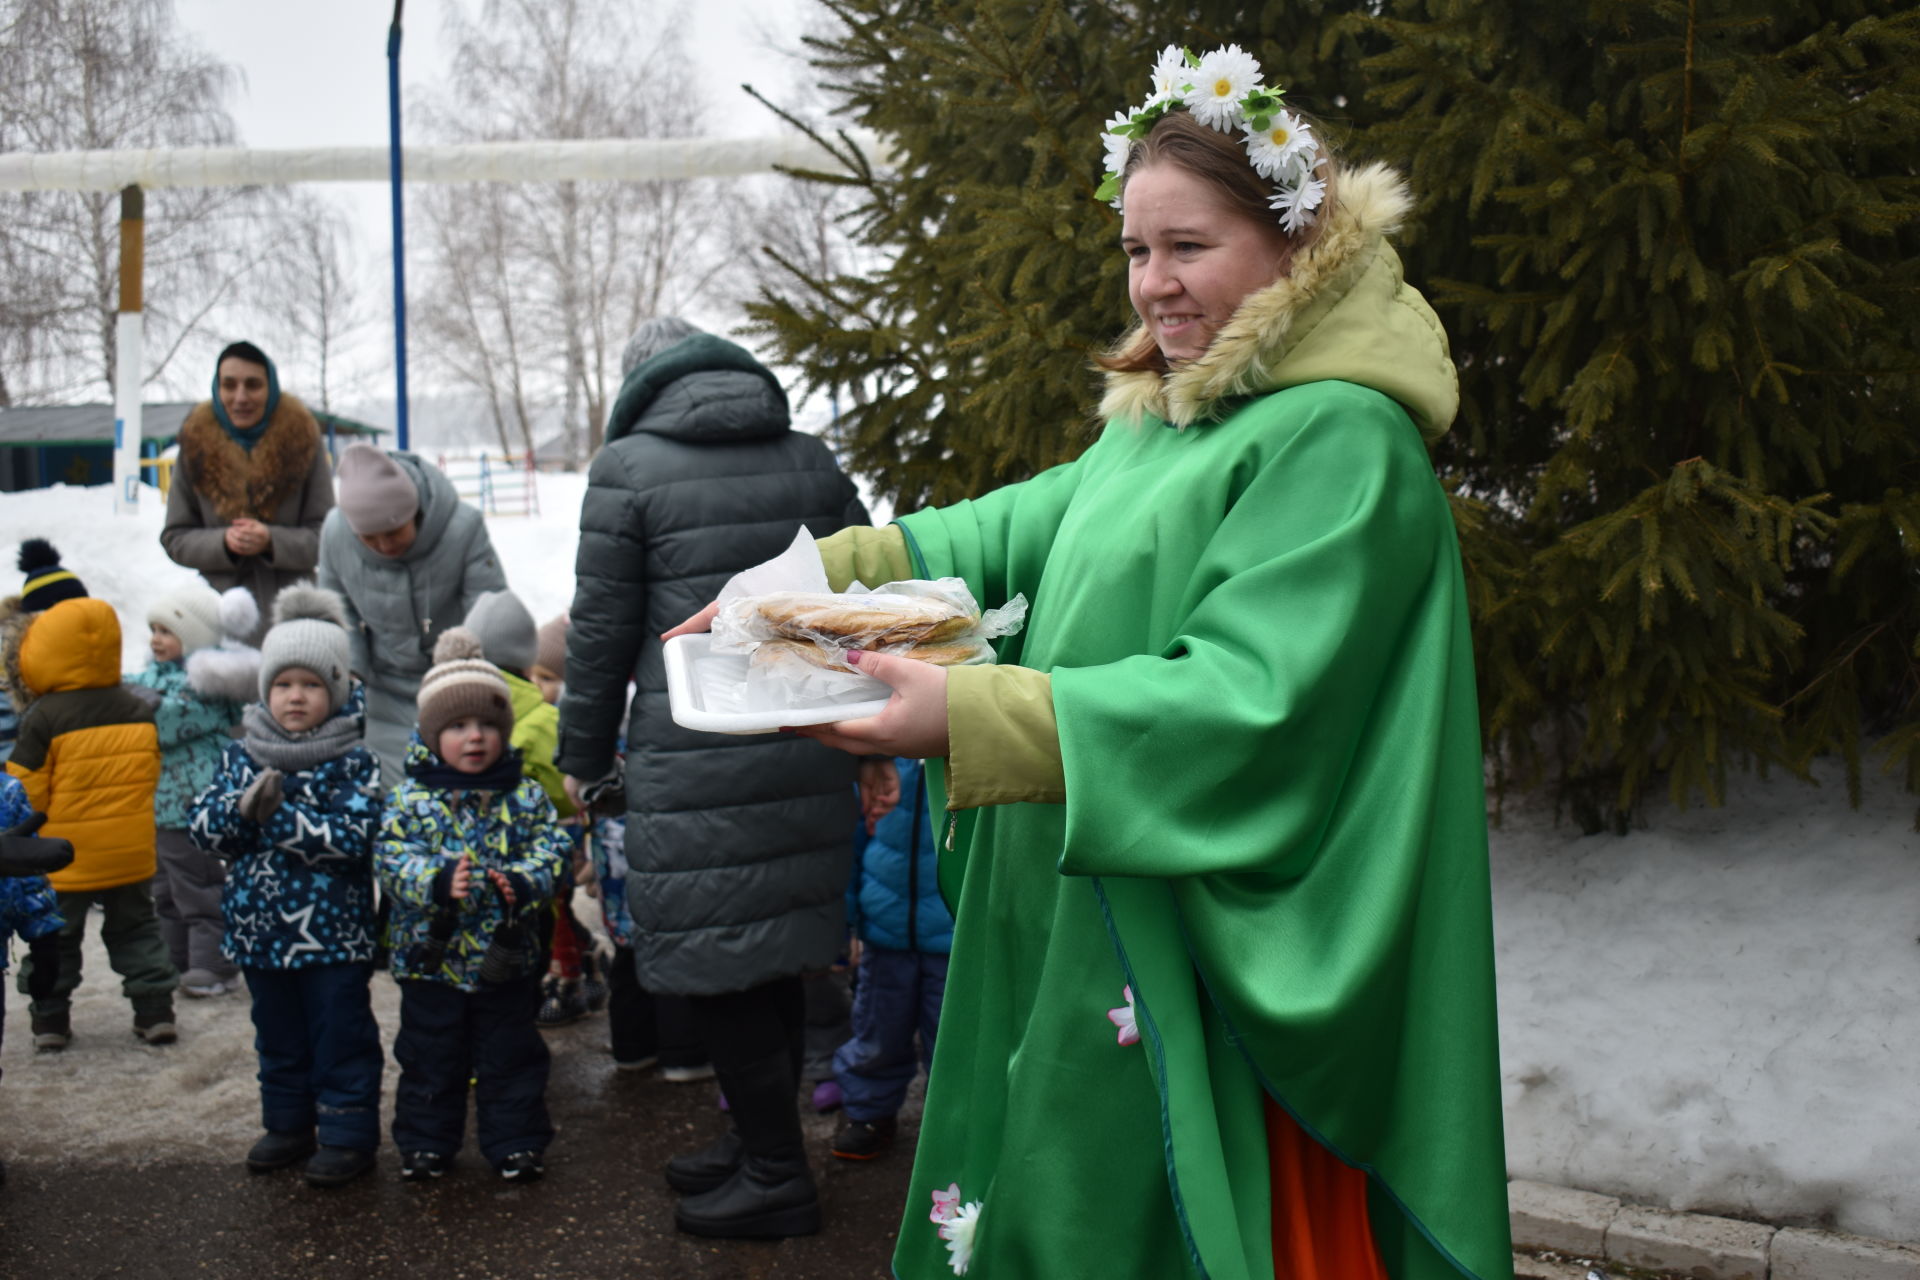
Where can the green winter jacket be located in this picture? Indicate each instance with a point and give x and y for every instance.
(1251, 800)
(536, 732)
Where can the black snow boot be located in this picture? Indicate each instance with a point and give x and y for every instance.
(707, 1168)
(771, 1194)
(278, 1150)
(337, 1166)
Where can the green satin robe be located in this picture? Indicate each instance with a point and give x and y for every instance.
(1274, 834)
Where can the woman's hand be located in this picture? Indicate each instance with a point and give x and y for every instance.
(914, 723)
(701, 621)
(879, 789)
(248, 537)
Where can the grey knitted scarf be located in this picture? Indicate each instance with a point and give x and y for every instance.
(274, 747)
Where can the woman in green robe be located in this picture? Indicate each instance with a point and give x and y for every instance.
(1221, 996)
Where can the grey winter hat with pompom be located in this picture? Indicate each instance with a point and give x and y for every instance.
(309, 631)
(462, 683)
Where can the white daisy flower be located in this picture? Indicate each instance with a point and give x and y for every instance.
(1223, 78)
(958, 1233)
(1297, 201)
(1169, 74)
(1275, 149)
(1117, 144)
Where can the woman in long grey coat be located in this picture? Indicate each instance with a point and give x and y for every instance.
(251, 486)
(409, 558)
(738, 848)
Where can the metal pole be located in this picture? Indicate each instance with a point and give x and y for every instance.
(127, 355)
(399, 228)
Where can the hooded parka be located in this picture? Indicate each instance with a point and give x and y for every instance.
(88, 753)
(737, 847)
(397, 606)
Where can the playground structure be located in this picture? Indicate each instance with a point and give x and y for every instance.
(499, 484)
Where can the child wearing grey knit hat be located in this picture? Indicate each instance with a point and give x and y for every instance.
(309, 632)
(292, 811)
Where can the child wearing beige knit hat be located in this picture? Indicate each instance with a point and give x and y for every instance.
(470, 850)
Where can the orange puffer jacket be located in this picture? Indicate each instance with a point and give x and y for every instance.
(87, 753)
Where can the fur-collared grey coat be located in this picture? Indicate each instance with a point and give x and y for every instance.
(397, 606)
(738, 848)
(285, 482)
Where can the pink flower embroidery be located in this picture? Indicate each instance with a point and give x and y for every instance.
(1121, 1018)
(945, 1204)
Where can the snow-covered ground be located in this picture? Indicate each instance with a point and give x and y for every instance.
(1719, 1012)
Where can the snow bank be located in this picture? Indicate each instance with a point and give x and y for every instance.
(120, 560)
(1719, 1013)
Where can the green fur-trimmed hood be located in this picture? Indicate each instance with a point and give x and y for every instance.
(1343, 312)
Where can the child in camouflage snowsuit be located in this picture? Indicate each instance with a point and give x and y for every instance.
(469, 848)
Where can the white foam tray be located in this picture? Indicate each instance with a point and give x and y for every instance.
(693, 669)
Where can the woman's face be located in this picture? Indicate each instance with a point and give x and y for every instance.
(1192, 258)
(243, 391)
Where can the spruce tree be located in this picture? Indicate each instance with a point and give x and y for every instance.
(965, 363)
(1674, 244)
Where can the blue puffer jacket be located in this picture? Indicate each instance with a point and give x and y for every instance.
(426, 830)
(299, 886)
(27, 905)
(193, 731)
(894, 898)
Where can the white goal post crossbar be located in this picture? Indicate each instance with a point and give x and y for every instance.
(588, 160)
(607, 159)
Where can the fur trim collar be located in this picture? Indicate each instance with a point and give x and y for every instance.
(238, 483)
(1247, 354)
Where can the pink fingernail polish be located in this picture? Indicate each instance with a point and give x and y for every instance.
(854, 656)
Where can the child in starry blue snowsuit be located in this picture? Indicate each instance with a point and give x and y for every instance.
(292, 812)
(27, 909)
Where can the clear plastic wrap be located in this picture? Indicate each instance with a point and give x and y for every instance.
(798, 640)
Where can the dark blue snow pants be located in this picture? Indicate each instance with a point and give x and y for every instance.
(319, 1049)
(448, 1038)
(899, 993)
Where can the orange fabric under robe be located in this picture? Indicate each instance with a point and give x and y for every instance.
(1320, 1229)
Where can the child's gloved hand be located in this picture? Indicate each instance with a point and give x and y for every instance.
(261, 797)
(45, 953)
(34, 821)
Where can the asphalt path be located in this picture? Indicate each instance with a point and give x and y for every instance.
(602, 1210)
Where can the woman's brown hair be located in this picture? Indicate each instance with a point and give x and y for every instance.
(1219, 160)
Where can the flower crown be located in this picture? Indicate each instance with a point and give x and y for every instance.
(1223, 90)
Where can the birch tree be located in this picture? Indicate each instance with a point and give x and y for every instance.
(530, 290)
(89, 75)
